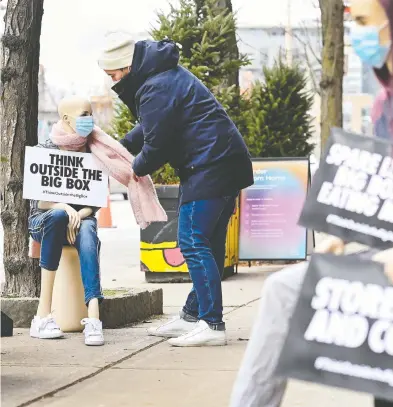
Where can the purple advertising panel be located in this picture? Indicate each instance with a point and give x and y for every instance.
(270, 209)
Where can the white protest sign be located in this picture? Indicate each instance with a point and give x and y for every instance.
(64, 176)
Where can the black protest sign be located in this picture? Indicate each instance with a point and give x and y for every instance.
(351, 195)
(341, 332)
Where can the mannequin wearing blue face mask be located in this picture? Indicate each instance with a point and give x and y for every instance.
(71, 225)
(366, 43)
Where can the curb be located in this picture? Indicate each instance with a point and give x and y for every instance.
(115, 312)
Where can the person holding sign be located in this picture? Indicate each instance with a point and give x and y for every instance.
(256, 384)
(181, 123)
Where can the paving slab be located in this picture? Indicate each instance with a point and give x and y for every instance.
(303, 394)
(167, 377)
(167, 358)
(29, 352)
(32, 368)
(20, 384)
(242, 317)
(186, 387)
(148, 388)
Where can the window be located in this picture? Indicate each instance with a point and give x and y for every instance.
(276, 31)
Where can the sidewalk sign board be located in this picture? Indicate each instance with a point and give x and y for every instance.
(270, 209)
(64, 176)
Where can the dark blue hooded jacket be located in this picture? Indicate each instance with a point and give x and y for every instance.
(181, 123)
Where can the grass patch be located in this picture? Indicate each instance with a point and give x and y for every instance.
(113, 293)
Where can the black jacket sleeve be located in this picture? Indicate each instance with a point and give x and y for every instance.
(157, 111)
(133, 141)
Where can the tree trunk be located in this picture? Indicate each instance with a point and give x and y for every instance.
(233, 78)
(19, 124)
(332, 16)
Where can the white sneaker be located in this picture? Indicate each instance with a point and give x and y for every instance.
(93, 332)
(172, 329)
(202, 335)
(45, 328)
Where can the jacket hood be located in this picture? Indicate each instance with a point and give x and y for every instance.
(150, 58)
(153, 57)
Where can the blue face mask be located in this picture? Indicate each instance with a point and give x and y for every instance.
(84, 125)
(365, 42)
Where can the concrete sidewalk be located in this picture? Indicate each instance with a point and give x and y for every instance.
(133, 369)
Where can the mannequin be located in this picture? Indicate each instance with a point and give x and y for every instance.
(68, 110)
(79, 225)
(54, 225)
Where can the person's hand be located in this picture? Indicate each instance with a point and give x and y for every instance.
(386, 257)
(331, 244)
(71, 234)
(74, 218)
(135, 177)
(74, 222)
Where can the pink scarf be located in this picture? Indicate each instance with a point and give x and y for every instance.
(115, 160)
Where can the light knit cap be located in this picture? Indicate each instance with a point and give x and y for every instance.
(117, 52)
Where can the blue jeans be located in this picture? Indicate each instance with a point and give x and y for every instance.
(202, 236)
(49, 228)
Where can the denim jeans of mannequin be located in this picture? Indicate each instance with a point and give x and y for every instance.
(49, 228)
(202, 236)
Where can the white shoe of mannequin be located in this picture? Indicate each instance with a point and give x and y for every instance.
(45, 328)
(93, 332)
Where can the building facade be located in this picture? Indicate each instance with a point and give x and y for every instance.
(264, 45)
